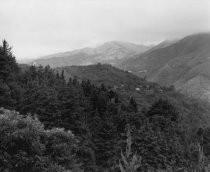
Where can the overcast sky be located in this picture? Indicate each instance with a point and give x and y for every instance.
(39, 27)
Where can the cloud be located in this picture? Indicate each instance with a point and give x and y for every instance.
(36, 27)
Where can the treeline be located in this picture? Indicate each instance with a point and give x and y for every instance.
(98, 120)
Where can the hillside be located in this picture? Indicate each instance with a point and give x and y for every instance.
(110, 52)
(102, 73)
(67, 125)
(127, 84)
(184, 64)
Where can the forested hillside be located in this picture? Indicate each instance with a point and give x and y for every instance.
(184, 64)
(103, 128)
(128, 85)
(102, 73)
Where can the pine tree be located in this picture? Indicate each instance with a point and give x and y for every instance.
(9, 88)
(133, 104)
(9, 67)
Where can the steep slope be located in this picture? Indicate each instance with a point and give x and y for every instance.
(110, 52)
(163, 44)
(181, 64)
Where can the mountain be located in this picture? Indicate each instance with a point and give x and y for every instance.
(163, 44)
(184, 64)
(110, 52)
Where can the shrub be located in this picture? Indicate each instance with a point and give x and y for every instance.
(26, 146)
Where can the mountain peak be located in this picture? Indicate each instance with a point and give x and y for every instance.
(109, 52)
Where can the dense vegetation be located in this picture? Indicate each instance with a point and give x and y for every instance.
(168, 130)
(27, 146)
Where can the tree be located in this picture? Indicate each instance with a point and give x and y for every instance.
(163, 115)
(159, 139)
(62, 75)
(130, 162)
(8, 64)
(26, 146)
(9, 89)
(133, 104)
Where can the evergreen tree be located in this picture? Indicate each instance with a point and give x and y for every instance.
(133, 104)
(159, 139)
(9, 67)
(9, 88)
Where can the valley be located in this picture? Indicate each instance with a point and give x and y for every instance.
(183, 63)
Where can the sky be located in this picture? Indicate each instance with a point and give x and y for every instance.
(36, 28)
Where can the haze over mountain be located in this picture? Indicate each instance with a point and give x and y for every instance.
(184, 64)
(164, 44)
(110, 52)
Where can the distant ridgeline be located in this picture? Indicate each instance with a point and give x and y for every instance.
(183, 63)
(167, 130)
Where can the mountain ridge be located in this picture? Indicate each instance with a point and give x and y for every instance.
(176, 64)
(109, 52)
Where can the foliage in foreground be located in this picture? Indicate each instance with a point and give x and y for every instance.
(132, 162)
(26, 146)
